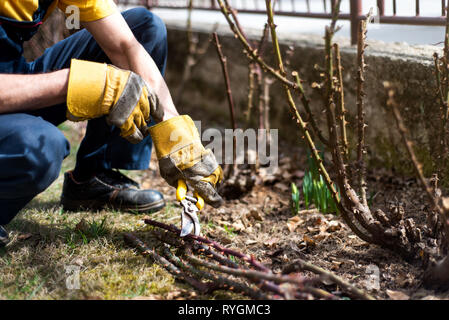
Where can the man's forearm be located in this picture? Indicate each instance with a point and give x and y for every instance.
(118, 42)
(137, 59)
(23, 92)
(142, 63)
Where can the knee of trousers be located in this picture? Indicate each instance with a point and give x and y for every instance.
(31, 155)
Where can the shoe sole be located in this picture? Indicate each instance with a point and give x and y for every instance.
(78, 205)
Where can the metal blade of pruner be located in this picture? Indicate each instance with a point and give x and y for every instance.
(190, 207)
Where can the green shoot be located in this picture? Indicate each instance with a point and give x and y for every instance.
(90, 230)
(295, 199)
(315, 190)
(229, 230)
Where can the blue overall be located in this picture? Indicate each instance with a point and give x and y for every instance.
(32, 148)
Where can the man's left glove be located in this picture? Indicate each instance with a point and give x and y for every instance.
(97, 89)
(182, 156)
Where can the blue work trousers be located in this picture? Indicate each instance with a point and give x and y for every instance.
(32, 148)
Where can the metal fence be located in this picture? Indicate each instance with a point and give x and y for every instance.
(318, 9)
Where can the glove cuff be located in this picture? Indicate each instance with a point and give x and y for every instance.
(86, 88)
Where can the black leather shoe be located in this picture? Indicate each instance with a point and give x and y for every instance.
(4, 238)
(109, 189)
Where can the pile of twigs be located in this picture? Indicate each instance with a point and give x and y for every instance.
(208, 266)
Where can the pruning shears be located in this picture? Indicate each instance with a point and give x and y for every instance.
(190, 207)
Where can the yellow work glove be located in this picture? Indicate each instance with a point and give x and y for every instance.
(182, 156)
(98, 89)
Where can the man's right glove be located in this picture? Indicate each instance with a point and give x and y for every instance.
(182, 156)
(97, 89)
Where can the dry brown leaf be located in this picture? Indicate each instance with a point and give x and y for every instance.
(298, 174)
(333, 226)
(238, 226)
(402, 280)
(24, 236)
(225, 240)
(175, 294)
(313, 230)
(321, 236)
(255, 214)
(251, 242)
(397, 295)
(308, 211)
(336, 265)
(286, 175)
(281, 186)
(293, 223)
(271, 242)
(309, 241)
(318, 221)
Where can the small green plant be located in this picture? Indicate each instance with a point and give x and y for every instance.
(211, 225)
(315, 190)
(229, 230)
(295, 199)
(85, 231)
(70, 238)
(96, 229)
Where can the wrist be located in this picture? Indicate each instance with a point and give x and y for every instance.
(168, 114)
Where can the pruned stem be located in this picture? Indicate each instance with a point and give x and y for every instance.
(250, 274)
(361, 66)
(266, 101)
(302, 283)
(170, 267)
(220, 258)
(183, 266)
(341, 110)
(224, 67)
(212, 243)
(300, 264)
(218, 281)
(251, 89)
(310, 116)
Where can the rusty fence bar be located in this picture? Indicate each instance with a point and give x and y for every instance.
(355, 14)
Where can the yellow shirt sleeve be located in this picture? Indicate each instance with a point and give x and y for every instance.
(90, 10)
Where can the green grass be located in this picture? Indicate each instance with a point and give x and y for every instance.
(35, 268)
(229, 230)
